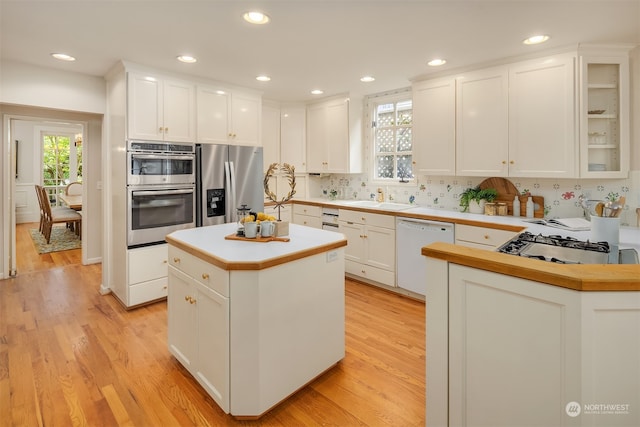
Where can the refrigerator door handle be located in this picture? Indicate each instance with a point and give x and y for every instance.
(229, 194)
(234, 193)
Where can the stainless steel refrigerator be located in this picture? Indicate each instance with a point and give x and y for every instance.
(227, 177)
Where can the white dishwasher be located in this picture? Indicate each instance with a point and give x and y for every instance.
(411, 236)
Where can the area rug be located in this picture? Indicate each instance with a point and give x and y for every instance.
(62, 239)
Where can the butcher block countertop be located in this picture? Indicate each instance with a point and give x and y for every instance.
(210, 245)
(579, 277)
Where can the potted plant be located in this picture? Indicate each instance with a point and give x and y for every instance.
(473, 199)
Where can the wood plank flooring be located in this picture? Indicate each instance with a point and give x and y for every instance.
(70, 356)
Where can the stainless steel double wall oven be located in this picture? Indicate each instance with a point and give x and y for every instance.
(161, 195)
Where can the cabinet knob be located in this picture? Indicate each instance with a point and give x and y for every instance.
(363, 218)
(186, 298)
(190, 299)
(164, 261)
(512, 162)
(504, 162)
(165, 287)
(160, 129)
(486, 237)
(176, 260)
(205, 276)
(362, 271)
(166, 130)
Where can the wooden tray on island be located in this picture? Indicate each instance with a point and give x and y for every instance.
(257, 238)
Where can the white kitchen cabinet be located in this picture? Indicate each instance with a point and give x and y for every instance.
(146, 276)
(511, 342)
(334, 135)
(481, 237)
(228, 117)
(270, 134)
(542, 118)
(198, 322)
(370, 253)
(308, 215)
(482, 133)
(160, 109)
(434, 127)
(293, 137)
(604, 114)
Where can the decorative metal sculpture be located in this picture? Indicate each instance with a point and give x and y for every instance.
(289, 171)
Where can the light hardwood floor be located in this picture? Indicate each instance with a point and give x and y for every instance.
(70, 356)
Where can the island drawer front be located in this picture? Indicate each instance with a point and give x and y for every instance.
(358, 217)
(307, 210)
(148, 291)
(147, 263)
(209, 275)
(481, 235)
(371, 273)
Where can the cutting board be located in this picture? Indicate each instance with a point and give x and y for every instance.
(257, 239)
(507, 192)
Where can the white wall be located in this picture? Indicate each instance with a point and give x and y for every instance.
(23, 84)
(35, 92)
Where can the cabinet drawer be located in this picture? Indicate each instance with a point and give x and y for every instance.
(147, 263)
(209, 275)
(299, 209)
(370, 273)
(309, 221)
(148, 291)
(482, 236)
(358, 217)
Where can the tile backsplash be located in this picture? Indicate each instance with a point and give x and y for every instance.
(442, 192)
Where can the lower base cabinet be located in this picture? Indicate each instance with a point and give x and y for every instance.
(505, 351)
(146, 276)
(251, 338)
(199, 333)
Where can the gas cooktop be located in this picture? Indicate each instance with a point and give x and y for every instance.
(563, 250)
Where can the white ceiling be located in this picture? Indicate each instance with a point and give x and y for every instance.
(308, 44)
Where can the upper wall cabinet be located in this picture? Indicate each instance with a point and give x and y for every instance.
(482, 123)
(226, 117)
(516, 120)
(434, 127)
(284, 135)
(160, 109)
(293, 137)
(542, 118)
(604, 115)
(334, 136)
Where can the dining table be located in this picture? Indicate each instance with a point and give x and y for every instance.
(74, 201)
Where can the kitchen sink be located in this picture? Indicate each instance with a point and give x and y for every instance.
(379, 205)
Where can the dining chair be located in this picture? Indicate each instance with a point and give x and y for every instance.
(57, 216)
(74, 188)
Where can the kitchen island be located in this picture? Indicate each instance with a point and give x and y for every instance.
(253, 322)
(515, 341)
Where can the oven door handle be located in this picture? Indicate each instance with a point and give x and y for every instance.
(161, 192)
(162, 156)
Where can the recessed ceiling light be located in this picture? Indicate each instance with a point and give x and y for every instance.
(436, 62)
(63, 57)
(255, 17)
(317, 92)
(536, 39)
(367, 79)
(263, 78)
(186, 58)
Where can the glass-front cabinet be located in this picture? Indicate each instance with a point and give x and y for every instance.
(604, 116)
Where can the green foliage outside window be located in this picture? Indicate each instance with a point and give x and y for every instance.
(56, 165)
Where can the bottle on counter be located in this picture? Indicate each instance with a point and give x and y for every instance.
(529, 207)
(516, 206)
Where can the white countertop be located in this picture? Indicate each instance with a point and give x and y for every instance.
(209, 243)
(629, 236)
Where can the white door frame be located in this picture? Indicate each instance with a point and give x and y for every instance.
(9, 183)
